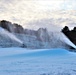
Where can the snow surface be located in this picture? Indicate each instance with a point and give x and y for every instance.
(21, 61)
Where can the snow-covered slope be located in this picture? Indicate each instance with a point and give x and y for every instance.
(55, 41)
(7, 39)
(45, 39)
(20, 61)
(41, 39)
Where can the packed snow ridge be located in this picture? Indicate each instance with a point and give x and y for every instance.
(14, 35)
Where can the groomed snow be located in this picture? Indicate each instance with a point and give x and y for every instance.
(21, 61)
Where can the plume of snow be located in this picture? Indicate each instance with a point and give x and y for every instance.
(66, 40)
(10, 35)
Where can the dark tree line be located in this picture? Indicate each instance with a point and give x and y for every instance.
(71, 34)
